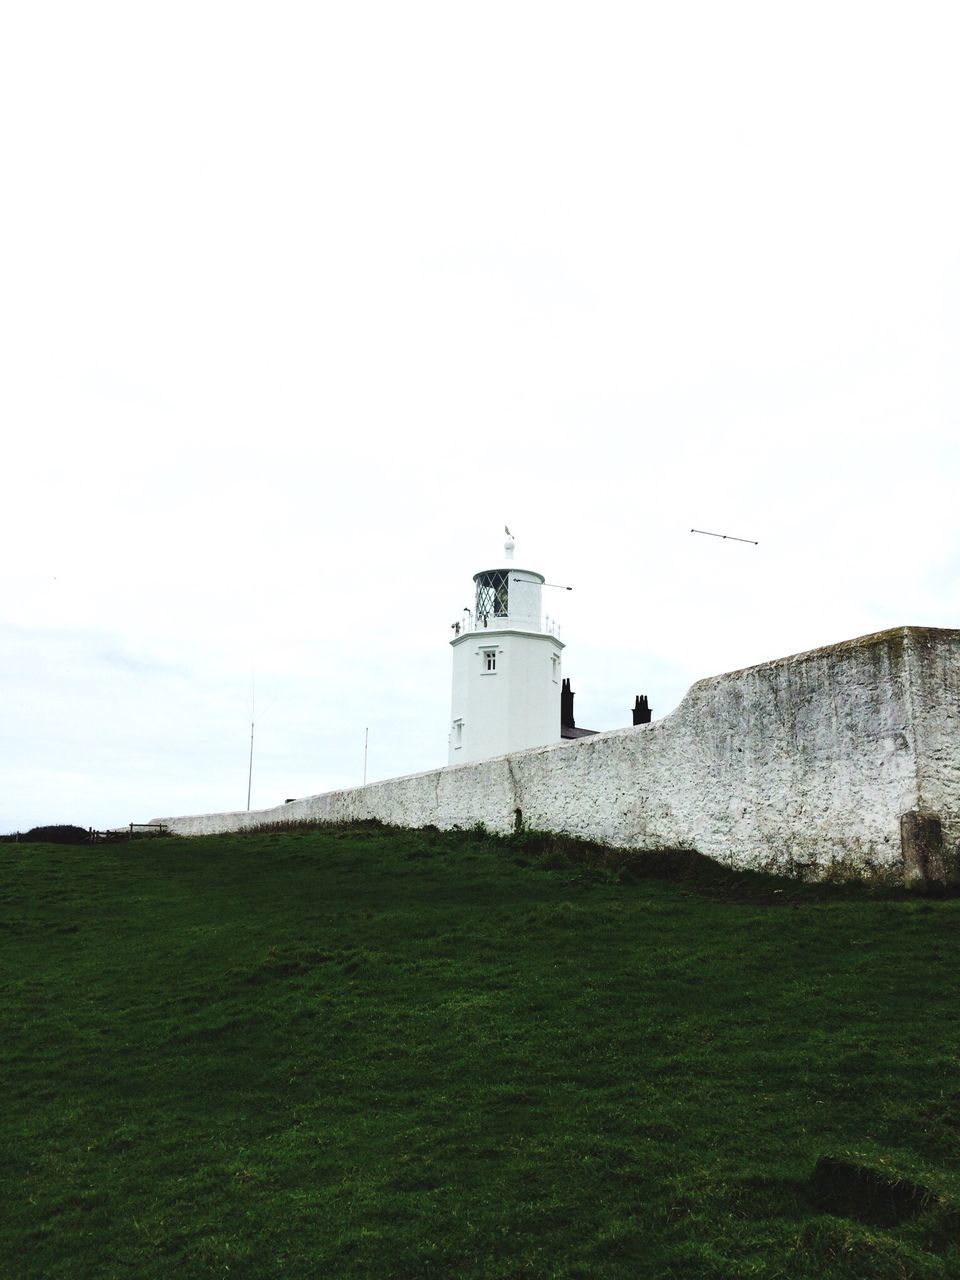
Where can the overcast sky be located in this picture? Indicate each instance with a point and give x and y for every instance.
(301, 303)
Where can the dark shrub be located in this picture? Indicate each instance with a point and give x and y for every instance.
(64, 834)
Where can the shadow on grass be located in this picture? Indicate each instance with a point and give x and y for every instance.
(699, 874)
(594, 863)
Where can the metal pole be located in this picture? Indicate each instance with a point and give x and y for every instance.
(366, 739)
(253, 714)
(250, 770)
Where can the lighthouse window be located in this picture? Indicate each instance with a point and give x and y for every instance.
(489, 659)
(493, 595)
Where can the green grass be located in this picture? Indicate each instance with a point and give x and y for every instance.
(360, 1052)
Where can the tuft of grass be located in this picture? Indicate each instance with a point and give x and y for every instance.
(362, 1052)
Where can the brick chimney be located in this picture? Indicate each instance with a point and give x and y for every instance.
(641, 710)
(566, 706)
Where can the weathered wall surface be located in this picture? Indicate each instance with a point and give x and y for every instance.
(808, 763)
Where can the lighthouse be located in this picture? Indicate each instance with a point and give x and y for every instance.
(506, 667)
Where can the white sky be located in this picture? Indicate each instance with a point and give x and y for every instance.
(300, 303)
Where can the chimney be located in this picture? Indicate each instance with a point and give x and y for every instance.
(641, 710)
(566, 706)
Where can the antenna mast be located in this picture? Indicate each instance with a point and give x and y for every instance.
(250, 770)
(727, 537)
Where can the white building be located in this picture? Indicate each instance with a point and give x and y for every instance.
(506, 668)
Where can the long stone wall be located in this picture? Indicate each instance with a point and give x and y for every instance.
(843, 760)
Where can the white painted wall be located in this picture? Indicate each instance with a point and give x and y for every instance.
(803, 764)
(514, 707)
(934, 683)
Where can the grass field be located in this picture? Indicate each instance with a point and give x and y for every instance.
(361, 1052)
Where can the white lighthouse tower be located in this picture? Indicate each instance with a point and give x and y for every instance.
(506, 668)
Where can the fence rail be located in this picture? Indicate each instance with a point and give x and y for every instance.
(129, 832)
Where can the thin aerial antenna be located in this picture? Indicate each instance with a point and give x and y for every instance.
(366, 740)
(252, 711)
(728, 537)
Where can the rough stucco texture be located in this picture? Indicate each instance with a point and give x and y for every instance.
(805, 764)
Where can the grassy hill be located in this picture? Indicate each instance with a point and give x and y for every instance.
(362, 1052)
